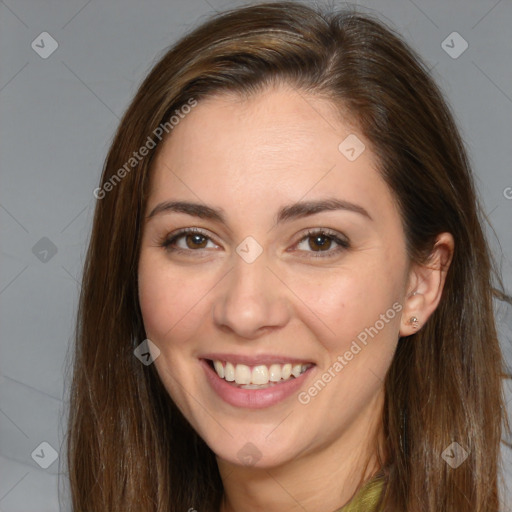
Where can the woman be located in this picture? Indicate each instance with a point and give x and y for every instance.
(287, 238)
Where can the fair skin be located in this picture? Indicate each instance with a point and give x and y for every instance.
(248, 159)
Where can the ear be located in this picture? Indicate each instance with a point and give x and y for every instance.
(425, 285)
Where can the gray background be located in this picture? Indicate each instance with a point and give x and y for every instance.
(58, 116)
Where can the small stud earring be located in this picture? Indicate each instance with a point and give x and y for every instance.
(414, 322)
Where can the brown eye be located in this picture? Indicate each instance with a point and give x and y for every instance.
(323, 243)
(319, 242)
(196, 241)
(188, 240)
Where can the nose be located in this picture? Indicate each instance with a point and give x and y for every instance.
(252, 300)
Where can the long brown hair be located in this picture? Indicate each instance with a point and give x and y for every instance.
(129, 447)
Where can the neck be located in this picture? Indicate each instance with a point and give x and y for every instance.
(323, 478)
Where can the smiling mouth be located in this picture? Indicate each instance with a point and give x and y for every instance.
(257, 377)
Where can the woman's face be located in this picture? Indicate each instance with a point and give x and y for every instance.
(297, 262)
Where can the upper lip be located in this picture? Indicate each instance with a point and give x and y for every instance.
(255, 360)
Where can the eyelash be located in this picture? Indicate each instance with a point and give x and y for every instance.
(343, 243)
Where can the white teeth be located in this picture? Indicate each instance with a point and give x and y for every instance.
(261, 375)
(255, 386)
(274, 373)
(229, 372)
(219, 369)
(286, 371)
(242, 374)
(296, 370)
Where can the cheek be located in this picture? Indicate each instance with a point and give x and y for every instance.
(170, 302)
(341, 304)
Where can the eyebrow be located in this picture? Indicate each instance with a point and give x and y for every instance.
(286, 213)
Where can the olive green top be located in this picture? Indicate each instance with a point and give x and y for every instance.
(367, 499)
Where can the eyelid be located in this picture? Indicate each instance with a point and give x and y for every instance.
(340, 239)
(324, 231)
(170, 238)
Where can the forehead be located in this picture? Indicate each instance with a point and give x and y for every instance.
(276, 146)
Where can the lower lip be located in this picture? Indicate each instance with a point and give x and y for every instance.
(253, 398)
